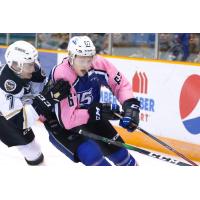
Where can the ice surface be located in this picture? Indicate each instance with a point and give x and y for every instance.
(53, 157)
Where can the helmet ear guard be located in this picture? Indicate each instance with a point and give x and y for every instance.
(71, 57)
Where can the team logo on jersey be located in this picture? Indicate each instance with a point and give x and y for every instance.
(10, 85)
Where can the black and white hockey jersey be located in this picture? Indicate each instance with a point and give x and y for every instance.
(16, 95)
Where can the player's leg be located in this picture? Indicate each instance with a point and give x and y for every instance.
(77, 148)
(122, 157)
(90, 154)
(61, 141)
(119, 156)
(29, 148)
(22, 139)
(31, 152)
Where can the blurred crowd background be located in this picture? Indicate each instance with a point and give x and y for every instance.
(165, 46)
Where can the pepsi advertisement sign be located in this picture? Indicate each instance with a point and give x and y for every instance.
(169, 96)
(189, 104)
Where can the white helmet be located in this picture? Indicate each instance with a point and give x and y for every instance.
(81, 46)
(21, 52)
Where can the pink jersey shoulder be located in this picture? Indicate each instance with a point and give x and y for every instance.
(118, 83)
(101, 63)
(64, 71)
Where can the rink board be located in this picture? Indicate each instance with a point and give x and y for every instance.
(170, 108)
(139, 139)
(169, 93)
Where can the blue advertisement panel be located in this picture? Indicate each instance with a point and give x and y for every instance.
(48, 61)
(2, 52)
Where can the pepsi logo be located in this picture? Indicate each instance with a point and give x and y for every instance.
(189, 104)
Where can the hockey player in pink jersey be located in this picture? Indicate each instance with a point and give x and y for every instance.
(86, 73)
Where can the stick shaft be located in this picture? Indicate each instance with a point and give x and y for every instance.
(167, 146)
(131, 147)
(163, 143)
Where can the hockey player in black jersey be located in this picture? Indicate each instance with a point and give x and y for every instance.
(20, 104)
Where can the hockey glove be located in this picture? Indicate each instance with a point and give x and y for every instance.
(53, 126)
(130, 119)
(103, 111)
(44, 102)
(57, 91)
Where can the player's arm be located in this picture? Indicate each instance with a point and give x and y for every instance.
(10, 103)
(117, 82)
(122, 90)
(44, 102)
(67, 110)
(39, 75)
(70, 115)
(12, 108)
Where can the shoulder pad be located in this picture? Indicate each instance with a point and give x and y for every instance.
(9, 82)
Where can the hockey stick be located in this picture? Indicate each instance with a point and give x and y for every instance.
(131, 147)
(162, 143)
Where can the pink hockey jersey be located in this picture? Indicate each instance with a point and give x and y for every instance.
(72, 111)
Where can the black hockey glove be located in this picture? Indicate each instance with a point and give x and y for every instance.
(130, 119)
(53, 126)
(103, 111)
(44, 102)
(57, 91)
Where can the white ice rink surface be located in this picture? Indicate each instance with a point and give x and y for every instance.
(57, 178)
(53, 157)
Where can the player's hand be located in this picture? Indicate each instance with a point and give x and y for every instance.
(53, 126)
(58, 91)
(44, 102)
(103, 111)
(130, 120)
